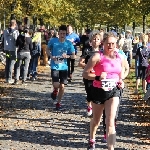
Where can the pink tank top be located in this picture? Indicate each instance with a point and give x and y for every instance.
(111, 66)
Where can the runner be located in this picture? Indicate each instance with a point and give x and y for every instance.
(95, 40)
(126, 72)
(74, 38)
(59, 48)
(106, 88)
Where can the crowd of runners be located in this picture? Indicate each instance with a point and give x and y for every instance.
(106, 60)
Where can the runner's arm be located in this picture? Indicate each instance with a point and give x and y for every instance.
(126, 68)
(122, 73)
(81, 62)
(91, 63)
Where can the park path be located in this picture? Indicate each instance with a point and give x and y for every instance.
(29, 121)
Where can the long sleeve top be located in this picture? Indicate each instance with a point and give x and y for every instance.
(24, 44)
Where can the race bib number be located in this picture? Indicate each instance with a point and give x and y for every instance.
(108, 84)
(59, 60)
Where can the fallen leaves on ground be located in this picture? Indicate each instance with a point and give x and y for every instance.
(140, 108)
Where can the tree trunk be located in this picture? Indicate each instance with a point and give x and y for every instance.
(133, 29)
(107, 28)
(4, 20)
(144, 23)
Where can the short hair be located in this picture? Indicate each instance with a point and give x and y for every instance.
(109, 34)
(88, 31)
(94, 33)
(13, 22)
(63, 27)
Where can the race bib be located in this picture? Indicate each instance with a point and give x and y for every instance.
(59, 60)
(108, 84)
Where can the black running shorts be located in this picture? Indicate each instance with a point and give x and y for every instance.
(59, 76)
(141, 72)
(88, 88)
(100, 96)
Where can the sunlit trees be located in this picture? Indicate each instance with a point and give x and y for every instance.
(79, 13)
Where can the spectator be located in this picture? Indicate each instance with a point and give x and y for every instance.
(44, 41)
(120, 41)
(84, 40)
(9, 42)
(24, 43)
(135, 47)
(142, 55)
(127, 47)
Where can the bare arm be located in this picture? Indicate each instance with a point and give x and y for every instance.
(81, 62)
(91, 63)
(126, 68)
(121, 75)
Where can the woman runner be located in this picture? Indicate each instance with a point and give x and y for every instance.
(106, 88)
(95, 41)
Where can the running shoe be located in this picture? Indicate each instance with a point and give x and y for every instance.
(58, 106)
(91, 145)
(89, 111)
(54, 94)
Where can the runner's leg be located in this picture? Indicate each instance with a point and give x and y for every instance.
(68, 64)
(110, 111)
(104, 126)
(72, 67)
(95, 121)
(63, 81)
(55, 82)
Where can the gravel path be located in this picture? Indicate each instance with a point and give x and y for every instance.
(29, 121)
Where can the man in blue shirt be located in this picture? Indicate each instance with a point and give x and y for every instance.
(60, 48)
(74, 38)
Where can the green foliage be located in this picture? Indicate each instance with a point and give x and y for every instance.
(79, 12)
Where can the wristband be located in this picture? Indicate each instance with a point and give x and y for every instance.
(97, 78)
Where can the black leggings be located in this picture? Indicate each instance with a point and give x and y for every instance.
(141, 72)
(70, 62)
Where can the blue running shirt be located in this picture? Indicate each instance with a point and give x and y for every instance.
(57, 50)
